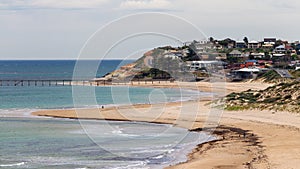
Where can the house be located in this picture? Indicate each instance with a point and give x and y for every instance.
(171, 55)
(269, 41)
(253, 45)
(217, 46)
(278, 55)
(289, 48)
(250, 70)
(244, 73)
(298, 49)
(231, 45)
(251, 63)
(235, 53)
(280, 49)
(297, 66)
(227, 43)
(240, 44)
(257, 55)
(268, 46)
(178, 54)
(221, 56)
(197, 65)
(201, 47)
(188, 43)
(264, 63)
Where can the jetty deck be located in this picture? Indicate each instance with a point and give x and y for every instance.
(50, 82)
(70, 82)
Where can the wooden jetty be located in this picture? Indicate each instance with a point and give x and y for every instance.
(51, 82)
(70, 82)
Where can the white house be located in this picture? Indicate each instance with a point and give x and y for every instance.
(258, 55)
(196, 65)
(280, 49)
(252, 70)
(171, 55)
(253, 45)
(297, 66)
(269, 41)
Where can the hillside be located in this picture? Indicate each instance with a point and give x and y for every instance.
(295, 73)
(272, 76)
(164, 63)
(281, 97)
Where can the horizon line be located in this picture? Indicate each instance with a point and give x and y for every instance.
(71, 59)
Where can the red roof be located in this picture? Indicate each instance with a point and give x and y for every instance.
(288, 47)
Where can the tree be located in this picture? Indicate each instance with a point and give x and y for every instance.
(278, 43)
(211, 39)
(246, 40)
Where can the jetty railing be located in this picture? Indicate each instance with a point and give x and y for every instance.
(82, 82)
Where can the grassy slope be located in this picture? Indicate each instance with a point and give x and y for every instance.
(282, 97)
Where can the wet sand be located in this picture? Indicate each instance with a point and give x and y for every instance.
(246, 139)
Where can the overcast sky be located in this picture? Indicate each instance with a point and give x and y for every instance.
(58, 29)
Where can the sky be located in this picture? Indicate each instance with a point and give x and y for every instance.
(59, 29)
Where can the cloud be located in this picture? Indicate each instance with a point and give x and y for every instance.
(145, 4)
(51, 4)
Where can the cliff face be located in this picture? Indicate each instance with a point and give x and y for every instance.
(281, 97)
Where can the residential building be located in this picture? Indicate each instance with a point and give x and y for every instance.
(197, 65)
(289, 48)
(269, 41)
(268, 46)
(298, 49)
(253, 45)
(235, 53)
(257, 55)
(221, 56)
(201, 47)
(171, 55)
(280, 49)
(240, 44)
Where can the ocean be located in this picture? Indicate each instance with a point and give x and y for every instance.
(36, 142)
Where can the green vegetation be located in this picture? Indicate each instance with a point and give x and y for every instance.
(281, 97)
(295, 73)
(269, 76)
(235, 108)
(152, 74)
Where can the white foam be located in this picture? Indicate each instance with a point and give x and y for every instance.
(17, 112)
(158, 157)
(12, 165)
(139, 165)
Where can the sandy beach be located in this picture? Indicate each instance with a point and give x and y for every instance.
(246, 139)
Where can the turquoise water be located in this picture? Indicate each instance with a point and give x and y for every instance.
(47, 97)
(38, 97)
(32, 142)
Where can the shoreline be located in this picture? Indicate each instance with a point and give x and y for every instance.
(235, 150)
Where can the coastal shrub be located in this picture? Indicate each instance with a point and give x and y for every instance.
(283, 96)
(271, 100)
(257, 95)
(234, 108)
(232, 94)
(295, 73)
(288, 97)
(269, 76)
